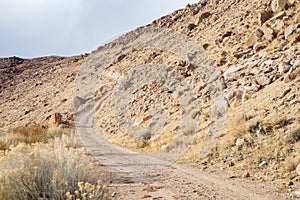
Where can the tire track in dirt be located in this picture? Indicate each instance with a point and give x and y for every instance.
(131, 173)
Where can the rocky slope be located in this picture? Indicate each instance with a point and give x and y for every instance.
(255, 46)
(33, 89)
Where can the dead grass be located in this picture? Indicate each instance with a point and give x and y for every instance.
(29, 134)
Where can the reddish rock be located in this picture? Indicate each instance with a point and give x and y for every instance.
(246, 174)
(55, 119)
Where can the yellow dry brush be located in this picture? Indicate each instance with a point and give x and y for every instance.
(48, 171)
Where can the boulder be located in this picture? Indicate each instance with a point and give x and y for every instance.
(278, 5)
(251, 40)
(264, 16)
(259, 46)
(292, 74)
(289, 30)
(284, 68)
(55, 119)
(204, 15)
(263, 80)
(269, 34)
(232, 74)
(191, 26)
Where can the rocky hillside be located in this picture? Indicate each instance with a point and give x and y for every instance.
(256, 47)
(33, 89)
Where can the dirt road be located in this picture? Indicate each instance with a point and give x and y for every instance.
(132, 175)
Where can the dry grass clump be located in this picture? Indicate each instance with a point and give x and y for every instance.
(31, 134)
(28, 135)
(54, 132)
(46, 171)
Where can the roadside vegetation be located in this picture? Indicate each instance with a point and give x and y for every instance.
(46, 163)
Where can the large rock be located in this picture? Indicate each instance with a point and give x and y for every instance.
(233, 73)
(278, 5)
(264, 16)
(269, 34)
(292, 74)
(55, 119)
(284, 68)
(289, 30)
(259, 46)
(263, 80)
(250, 42)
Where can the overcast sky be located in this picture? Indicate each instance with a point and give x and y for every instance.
(33, 28)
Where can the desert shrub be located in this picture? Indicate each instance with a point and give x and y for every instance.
(70, 141)
(54, 132)
(46, 171)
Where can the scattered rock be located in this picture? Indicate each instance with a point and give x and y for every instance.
(297, 194)
(278, 5)
(264, 16)
(297, 17)
(246, 174)
(232, 74)
(221, 61)
(63, 126)
(284, 68)
(259, 33)
(262, 163)
(259, 46)
(191, 26)
(239, 142)
(291, 2)
(278, 26)
(252, 39)
(289, 30)
(120, 57)
(227, 34)
(298, 169)
(263, 80)
(269, 34)
(113, 194)
(279, 16)
(292, 74)
(26, 112)
(55, 119)
(205, 15)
